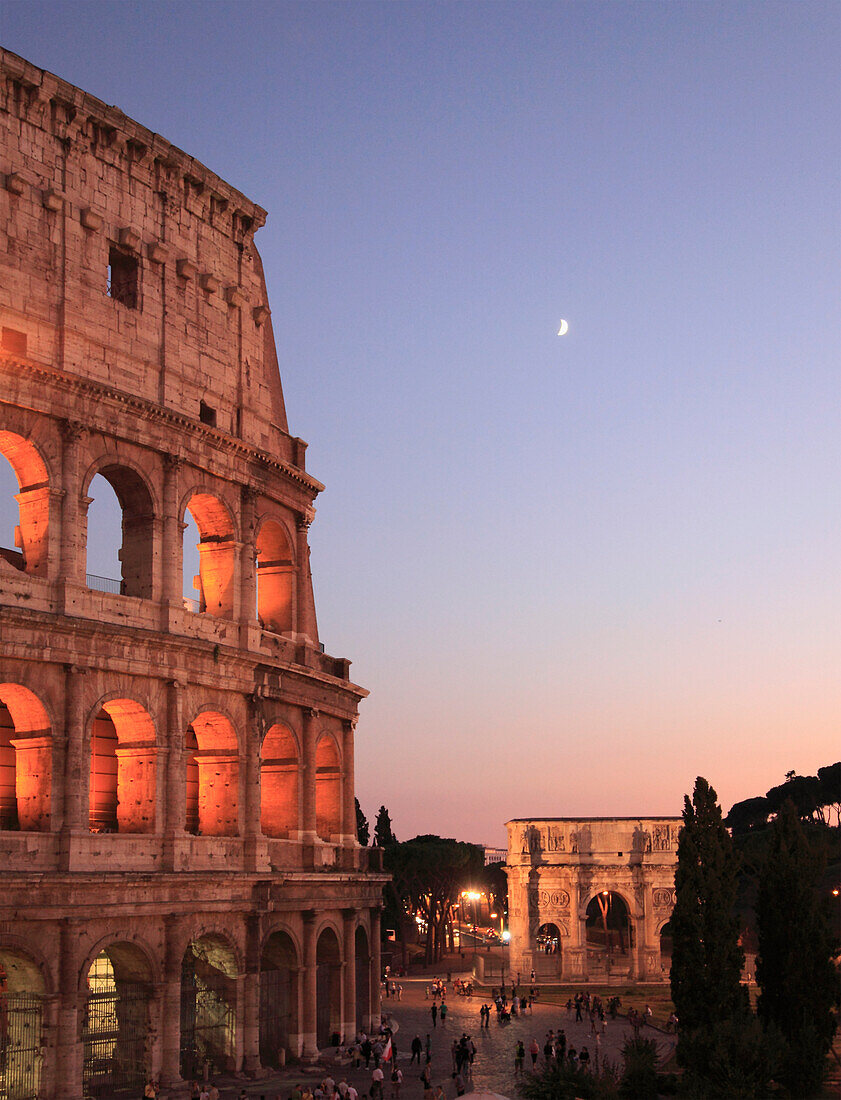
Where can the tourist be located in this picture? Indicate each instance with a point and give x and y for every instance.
(519, 1056)
(396, 1082)
(459, 1080)
(377, 1078)
(151, 1091)
(584, 1058)
(434, 1012)
(534, 1050)
(417, 1047)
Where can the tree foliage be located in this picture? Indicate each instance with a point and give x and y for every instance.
(428, 872)
(707, 959)
(794, 967)
(363, 829)
(383, 836)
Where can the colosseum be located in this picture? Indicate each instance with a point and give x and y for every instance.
(183, 890)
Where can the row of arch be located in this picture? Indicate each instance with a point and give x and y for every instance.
(122, 1001)
(219, 524)
(123, 772)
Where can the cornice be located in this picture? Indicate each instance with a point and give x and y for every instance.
(169, 419)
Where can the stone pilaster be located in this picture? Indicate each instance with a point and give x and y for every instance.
(75, 780)
(309, 1005)
(349, 919)
(376, 967)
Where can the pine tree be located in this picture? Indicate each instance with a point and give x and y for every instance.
(383, 836)
(794, 967)
(707, 959)
(363, 829)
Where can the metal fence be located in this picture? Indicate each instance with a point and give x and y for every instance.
(21, 1016)
(103, 584)
(114, 1037)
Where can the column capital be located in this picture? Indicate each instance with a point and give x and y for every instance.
(71, 431)
(172, 463)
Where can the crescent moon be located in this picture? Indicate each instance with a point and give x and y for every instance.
(564, 329)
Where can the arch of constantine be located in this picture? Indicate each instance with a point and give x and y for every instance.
(182, 882)
(589, 899)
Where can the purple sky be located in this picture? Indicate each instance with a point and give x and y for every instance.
(574, 572)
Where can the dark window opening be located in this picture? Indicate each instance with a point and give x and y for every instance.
(13, 341)
(207, 415)
(123, 278)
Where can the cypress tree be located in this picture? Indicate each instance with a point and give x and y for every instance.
(707, 959)
(794, 967)
(363, 829)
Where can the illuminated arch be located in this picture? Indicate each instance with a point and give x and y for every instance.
(279, 782)
(26, 760)
(212, 775)
(328, 955)
(217, 551)
(22, 996)
(121, 791)
(31, 551)
(328, 788)
(275, 577)
(209, 972)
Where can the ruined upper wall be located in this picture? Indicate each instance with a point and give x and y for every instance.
(87, 194)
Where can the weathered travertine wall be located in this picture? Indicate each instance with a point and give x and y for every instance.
(176, 777)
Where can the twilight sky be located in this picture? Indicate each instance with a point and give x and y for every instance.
(573, 572)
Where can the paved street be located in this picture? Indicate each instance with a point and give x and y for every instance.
(493, 1070)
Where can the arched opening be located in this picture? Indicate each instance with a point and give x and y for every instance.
(21, 1026)
(217, 556)
(549, 939)
(328, 1013)
(115, 1025)
(278, 999)
(208, 1007)
(363, 980)
(609, 932)
(666, 947)
(191, 746)
(123, 766)
(275, 579)
(119, 559)
(23, 479)
(328, 789)
(279, 783)
(214, 807)
(26, 761)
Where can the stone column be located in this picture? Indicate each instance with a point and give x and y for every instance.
(248, 570)
(71, 555)
(306, 625)
(255, 845)
(69, 1051)
(310, 716)
(309, 1006)
(171, 580)
(376, 967)
(175, 788)
(171, 1025)
(75, 781)
(251, 996)
(348, 1027)
(348, 797)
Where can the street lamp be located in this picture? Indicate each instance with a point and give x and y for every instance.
(472, 896)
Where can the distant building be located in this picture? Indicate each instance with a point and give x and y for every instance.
(591, 898)
(495, 855)
(182, 884)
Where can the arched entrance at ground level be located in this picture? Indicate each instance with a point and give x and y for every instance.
(328, 1014)
(666, 947)
(609, 933)
(363, 981)
(21, 1026)
(26, 750)
(115, 1024)
(278, 998)
(208, 1007)
(547, 951)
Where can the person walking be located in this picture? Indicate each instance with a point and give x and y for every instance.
(519, 1056)
(443, 1010)
(434, 1011)
(534, 1050)
(417, 1047)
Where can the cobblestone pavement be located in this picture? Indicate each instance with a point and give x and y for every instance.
(493, 1070)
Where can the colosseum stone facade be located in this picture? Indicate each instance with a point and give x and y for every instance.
(181, 878)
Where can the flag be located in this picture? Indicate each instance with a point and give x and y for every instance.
(387, 1051)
